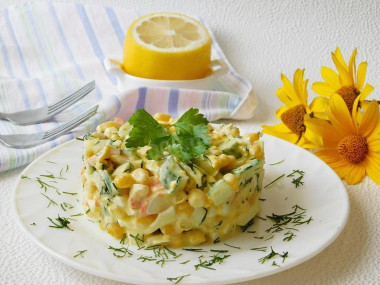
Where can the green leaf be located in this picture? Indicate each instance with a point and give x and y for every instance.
(145, 128)
(190, 139)
(188, 120)
(158, 146)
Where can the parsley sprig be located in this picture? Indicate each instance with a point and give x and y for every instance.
(189, 140)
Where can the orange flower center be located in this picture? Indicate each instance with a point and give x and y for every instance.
(354, 148)
(293, 118)
(349, 94)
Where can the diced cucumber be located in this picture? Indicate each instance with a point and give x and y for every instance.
(199, 215)
(220, 192)
(231, 146)
(205, 164)
(194, 173)
(172, 176)
(104, 183)
(126, 167)
(250, 177)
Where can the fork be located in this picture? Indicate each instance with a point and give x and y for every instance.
(38, 115)
(30, 140)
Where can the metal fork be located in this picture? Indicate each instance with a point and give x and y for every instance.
(38, 115)
(30, 140)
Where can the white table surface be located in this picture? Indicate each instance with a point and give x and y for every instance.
(262, 39)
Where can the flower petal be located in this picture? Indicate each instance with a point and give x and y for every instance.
(319, 104)
(344, 76)
(330, 156)
(356, 173)
(339, 115)
(283, 96)
(281, 110)
(289, 89)
(362, 71)
(330, 136)
(323, 88)
(374, 144)
(369, 120)
(299, 86)
(331, 77)
(373, 167)
(273, 130)
(368, 88)
(340, 58)
(352, 64)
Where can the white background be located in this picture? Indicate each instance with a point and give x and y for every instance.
(261, 39)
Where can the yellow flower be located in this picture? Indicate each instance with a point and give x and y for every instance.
(348, 82)
(295, 112)
(351, 146)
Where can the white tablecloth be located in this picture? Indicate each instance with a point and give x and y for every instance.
(261, 39)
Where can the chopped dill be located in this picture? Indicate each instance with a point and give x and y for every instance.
(51, 201)
(232, 246)
(60, 224)
(278, 178)
(273, 254)
(177, 279)
(121, 251)
(207, 264)
(80, 253)
(194, 249)
(276, 163)
(70, 193)
(297, 181)
(263, 248)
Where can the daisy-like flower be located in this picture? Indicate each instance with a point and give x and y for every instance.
(348, 81)
(351, 144)
(296, 110)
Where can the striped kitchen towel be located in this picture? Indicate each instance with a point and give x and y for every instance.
(48, 50)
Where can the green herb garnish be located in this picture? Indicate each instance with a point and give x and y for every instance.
(297, 181)
(80, 253)
(189, 140)
(278, 178)
(121, 251)
(177, 279)
(60, 224)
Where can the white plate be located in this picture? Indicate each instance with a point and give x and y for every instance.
(322, 195)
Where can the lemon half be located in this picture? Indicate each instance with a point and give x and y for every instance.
(167, 46)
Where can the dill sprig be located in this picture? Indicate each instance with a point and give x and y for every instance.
(121, 252)
(51, 201)
(288, 221)
(80, 253)
(273, 254)
(278, 178)
(177, 279)
(217, 258)
(297, 181)
(60, 223)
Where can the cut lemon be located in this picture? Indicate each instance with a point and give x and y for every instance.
(167, 46)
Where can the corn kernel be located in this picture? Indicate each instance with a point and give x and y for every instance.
(197, 198)
(232, 180)
(108, 132)
(251, 137)
(162, 117)
(102, 127)
(124, 180)
(141, 176)
(256, 151)
(115, 230)
(195, 237)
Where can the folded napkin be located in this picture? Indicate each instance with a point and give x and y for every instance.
(49, 50)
